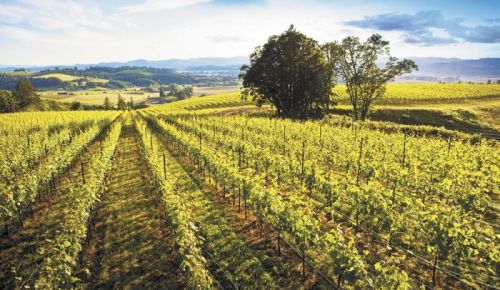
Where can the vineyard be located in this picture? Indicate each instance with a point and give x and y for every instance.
(177, 196)
(425, 93)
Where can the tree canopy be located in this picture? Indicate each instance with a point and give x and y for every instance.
(7, 102)
(292, 73)
(356, 64)
(24, 92)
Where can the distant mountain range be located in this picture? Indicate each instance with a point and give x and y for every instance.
(453, 67)
(192, 64)
(428, 66)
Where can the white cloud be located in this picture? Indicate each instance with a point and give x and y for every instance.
(70, 31)
(159, 5)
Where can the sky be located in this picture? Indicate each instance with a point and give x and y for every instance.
(50, 32)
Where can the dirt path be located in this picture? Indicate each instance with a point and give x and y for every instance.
(129, 247)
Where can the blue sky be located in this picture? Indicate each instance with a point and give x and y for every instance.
(39, 32)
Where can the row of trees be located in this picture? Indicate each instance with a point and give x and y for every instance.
(121, 104)
(23, 95)
(296, 74)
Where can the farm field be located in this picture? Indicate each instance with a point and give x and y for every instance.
(428, 93)
(187, 196)
(208, 91)
(70, 78)
(94, 96)
(400, 94)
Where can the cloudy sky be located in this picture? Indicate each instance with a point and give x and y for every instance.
(41, 32)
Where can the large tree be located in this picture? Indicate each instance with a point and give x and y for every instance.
(356, 64)
(291, 72)
(24, 92)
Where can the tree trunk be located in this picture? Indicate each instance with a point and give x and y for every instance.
(354, 112)
(364, 112)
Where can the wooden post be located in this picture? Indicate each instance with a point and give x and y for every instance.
(303, 263)
(321, 135)
(164, 167)
(261, 224)
(20, 217)
(279, 245)
(83, 173)
(404, 151)
(434, 268)
(302, 161)
(53, 182)
(239, 199)
(7, 230)
(239, 158)
(359, 160)
(234, 196)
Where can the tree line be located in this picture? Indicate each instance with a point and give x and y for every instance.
(296, 74)
(24, 94)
